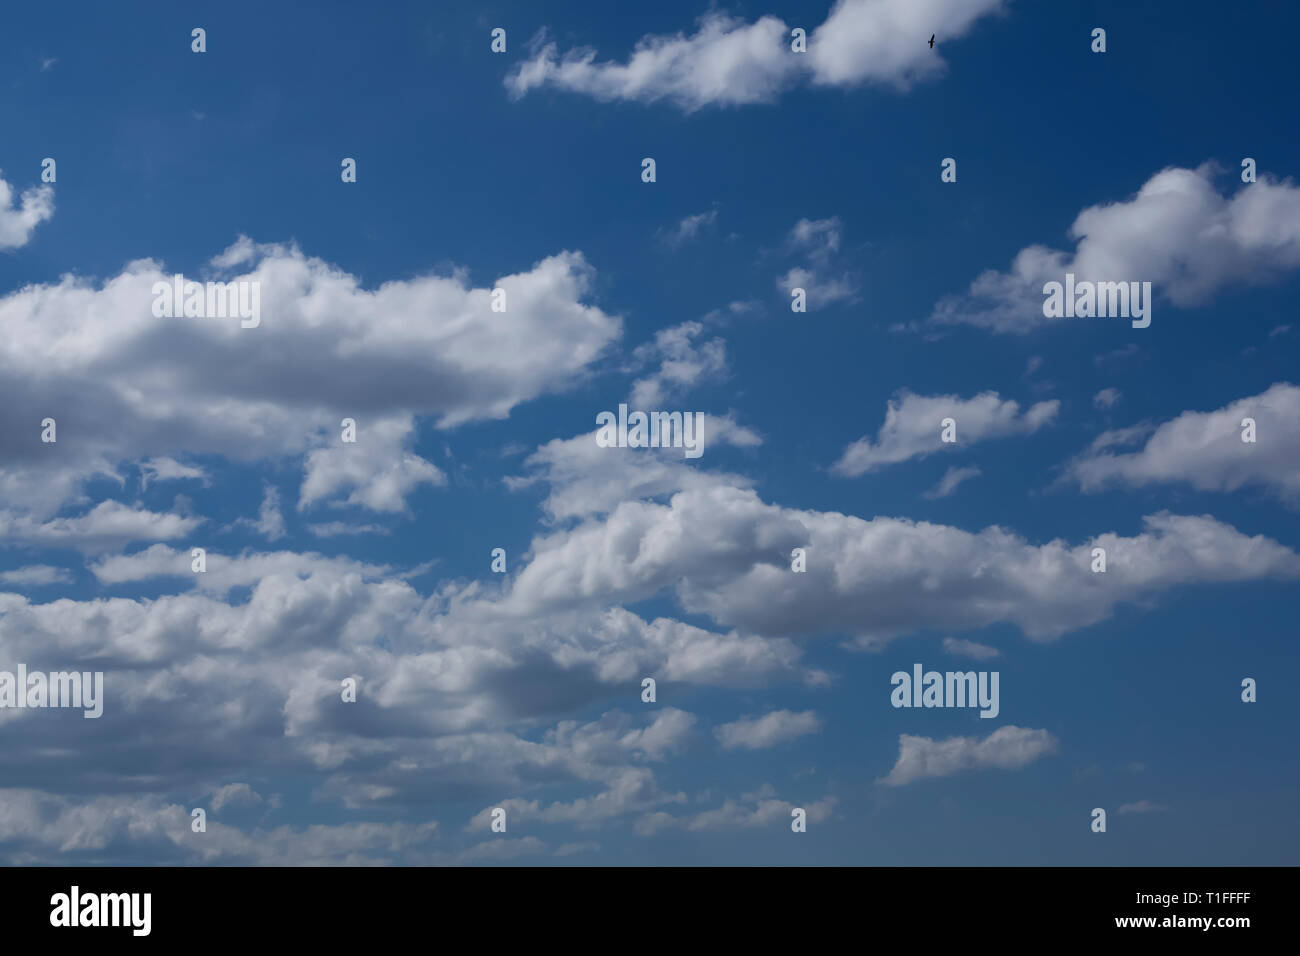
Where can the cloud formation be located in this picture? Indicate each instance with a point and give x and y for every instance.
(1007, 748)
(730, 62)
(18, 222)
(824, 281)
(126, 386)
(913, 429)
(1178, 233)
(1205, 450)
(775, 727)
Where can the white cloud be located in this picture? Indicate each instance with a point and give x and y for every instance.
(333, 529)
(1205, 450)
(586, 479)
(1178, 233)
(690, 227)
(886, 41)
(820, 288)
(725, 553)
(762, 808)
(124, 385)
(36, 575)
(951, 479)
(256, 647)
(502, 849)
(441, 678)
(600, 751)
(776, 727)
(35, 825)
(728, 62)
(818, 237)
(912, 428)
(1007, 748)
(377, 470)
(17, 223)
(1107, 398)
(108, 526)
(964, 648)
(823, 280)
(683, 362)
(270, 521)
(224, 572)
(731, 311)
(1121, 437)
(169, 469)
(235, 794)
(471, 632)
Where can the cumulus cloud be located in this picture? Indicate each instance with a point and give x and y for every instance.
(824, 281)
(35, 575)
(730, 62)
(120, 829)
(108, 526)
(377, 470)
(912, 428)
(727, 61)
(586, 479)
(233, 795)
(18, 222)
(1007, 748)
(472, 634)
(683, 361)
(441, 677)
(1205, 450)
(602, 750)
(816, 236)
(256, 647)
(270, 520)
(467, 691)
(723, 552)
(124, 385)
(875, 41)
(630, 790)
(169, 469)
(1178, 232)
(776, 727)
(762, 808)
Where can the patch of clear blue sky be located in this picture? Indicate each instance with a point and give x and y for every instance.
(169, 155)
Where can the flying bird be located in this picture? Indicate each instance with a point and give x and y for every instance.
(931, 41)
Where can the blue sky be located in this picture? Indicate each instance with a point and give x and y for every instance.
(476, 431)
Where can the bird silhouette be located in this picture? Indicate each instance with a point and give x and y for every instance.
(931, 41)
